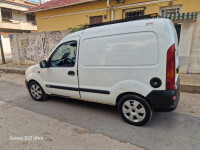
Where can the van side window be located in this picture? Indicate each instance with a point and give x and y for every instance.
(64, 55)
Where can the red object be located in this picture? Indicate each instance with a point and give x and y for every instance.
(57, 3)
(171, 67)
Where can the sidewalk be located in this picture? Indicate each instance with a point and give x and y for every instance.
(11, 68)
(24, 129)
(189, 82)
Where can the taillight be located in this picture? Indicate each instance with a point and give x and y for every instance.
(171, 67)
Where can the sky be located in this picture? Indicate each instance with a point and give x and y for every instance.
(37, 1)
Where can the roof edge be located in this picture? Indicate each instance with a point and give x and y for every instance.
(17, 4)
(88, 1)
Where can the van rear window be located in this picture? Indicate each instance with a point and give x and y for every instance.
(135, 49)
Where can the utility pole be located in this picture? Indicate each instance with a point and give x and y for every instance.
(2, 53)
(40, 2)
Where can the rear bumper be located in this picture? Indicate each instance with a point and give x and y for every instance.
(163, 100)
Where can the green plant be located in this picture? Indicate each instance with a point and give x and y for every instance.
(78, 28)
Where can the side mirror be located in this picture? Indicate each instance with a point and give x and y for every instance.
(43, 64)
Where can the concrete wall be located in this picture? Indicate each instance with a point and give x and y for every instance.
(185, 45)
(31, 48)
(194, 59)
(189, 47)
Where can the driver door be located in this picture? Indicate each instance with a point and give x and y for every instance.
(61, 77)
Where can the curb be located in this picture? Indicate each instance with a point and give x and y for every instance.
(12, 71)
(194, 89)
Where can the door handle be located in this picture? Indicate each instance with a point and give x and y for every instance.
(71, 73)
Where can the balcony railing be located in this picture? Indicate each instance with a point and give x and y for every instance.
(17, 25)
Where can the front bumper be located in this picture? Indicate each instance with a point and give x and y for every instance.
(26, 82)
(163, 100)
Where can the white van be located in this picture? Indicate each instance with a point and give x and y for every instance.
(133, 65)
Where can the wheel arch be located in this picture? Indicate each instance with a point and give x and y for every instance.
(37, 78)
(131, 93)
(32, 80)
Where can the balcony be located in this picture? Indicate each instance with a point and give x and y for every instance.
(14, 25)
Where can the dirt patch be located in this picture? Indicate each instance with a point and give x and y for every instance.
(80, 131)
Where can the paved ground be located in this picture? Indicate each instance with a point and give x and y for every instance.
(23, 129)
(178, 130)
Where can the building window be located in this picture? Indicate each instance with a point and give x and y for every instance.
(170, 10)
(133, 12)
(6, 14)
(96, 19)
(31, 18)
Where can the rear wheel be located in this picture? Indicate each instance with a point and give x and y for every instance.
(135, 110)
(36, 91)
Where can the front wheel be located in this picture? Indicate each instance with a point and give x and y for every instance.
(135, 110)
(36, 91)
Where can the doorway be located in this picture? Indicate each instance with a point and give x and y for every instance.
(178, 30)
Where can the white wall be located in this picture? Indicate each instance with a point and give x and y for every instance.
(185, 45)
(194, 59)
(6, 44)
(19, 16)
(189, 47)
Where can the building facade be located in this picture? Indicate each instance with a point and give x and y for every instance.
(15, 19)
(60, 16)
(64, 14)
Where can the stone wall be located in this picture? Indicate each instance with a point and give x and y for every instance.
(31, 48)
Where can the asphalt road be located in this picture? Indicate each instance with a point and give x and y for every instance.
(178, 130)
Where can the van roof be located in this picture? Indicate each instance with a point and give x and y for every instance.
(117, 26)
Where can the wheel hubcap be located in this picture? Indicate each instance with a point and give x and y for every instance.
(133, 110)
(36, 91)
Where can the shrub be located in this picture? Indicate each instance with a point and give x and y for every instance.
(78, 28)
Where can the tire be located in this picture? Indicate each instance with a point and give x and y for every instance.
(36, 91)
(135, 110)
